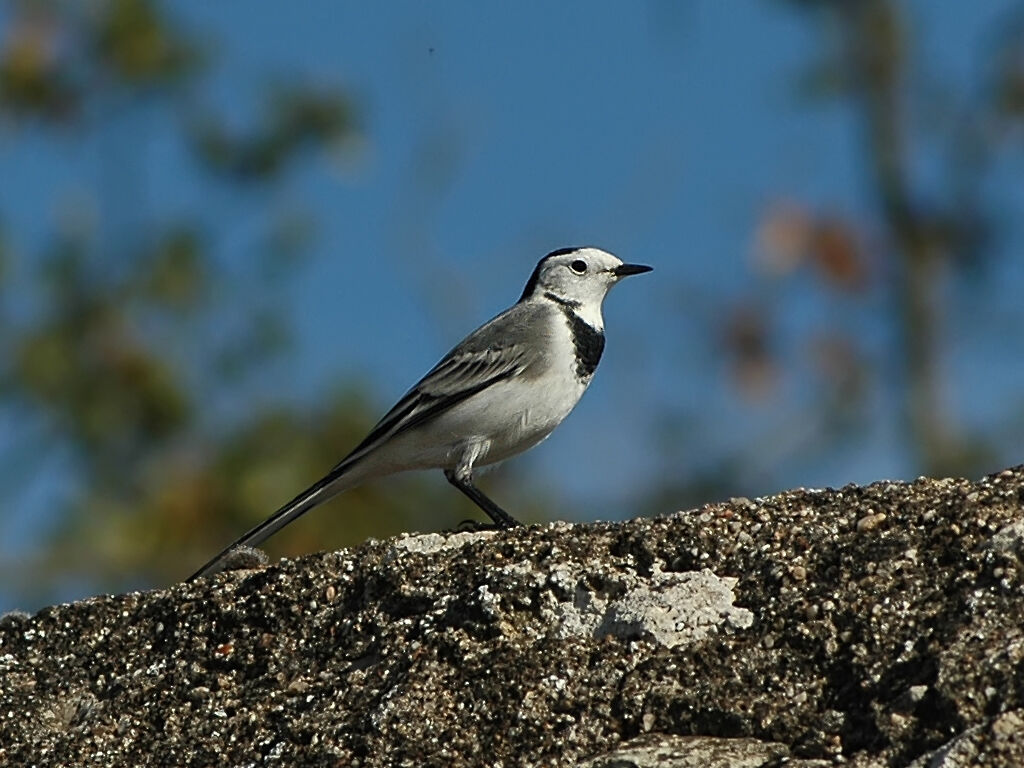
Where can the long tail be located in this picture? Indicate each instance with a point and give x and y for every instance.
(341, 478)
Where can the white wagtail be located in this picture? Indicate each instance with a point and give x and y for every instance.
(502, 390)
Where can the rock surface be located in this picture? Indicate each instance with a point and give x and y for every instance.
(877, 626)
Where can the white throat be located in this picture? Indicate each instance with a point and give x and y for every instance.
(590, 313)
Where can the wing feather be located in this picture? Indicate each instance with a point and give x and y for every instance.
(460, 375)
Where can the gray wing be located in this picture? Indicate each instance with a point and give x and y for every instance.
(510, 344)
(505, 347)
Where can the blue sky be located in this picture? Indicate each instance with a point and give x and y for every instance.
(493, 133)
(496, 133)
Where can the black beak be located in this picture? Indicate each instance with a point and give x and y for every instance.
(630, 269)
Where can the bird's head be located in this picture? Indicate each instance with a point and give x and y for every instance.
(578, 276)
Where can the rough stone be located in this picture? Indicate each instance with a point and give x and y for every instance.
(751, 632)
(665, 751)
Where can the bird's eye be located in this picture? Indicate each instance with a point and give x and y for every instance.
(579, 266)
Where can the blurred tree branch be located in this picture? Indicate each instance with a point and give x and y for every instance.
(874, 53)
(926, 235)
(849, 335)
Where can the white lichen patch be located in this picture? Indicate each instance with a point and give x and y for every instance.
(428, 543)
(671, 608)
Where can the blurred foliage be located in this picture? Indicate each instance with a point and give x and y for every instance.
(135, 44)
(34, 78)
(848, 324)
(907, 260)
(58, 55)
(298, 117)
(115, 355)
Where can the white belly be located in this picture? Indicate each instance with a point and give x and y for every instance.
(502, 420)
(505, 419)
(512, 416)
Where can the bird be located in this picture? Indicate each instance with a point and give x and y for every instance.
(500, 391)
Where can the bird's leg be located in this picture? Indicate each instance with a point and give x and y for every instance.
(501, 518)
